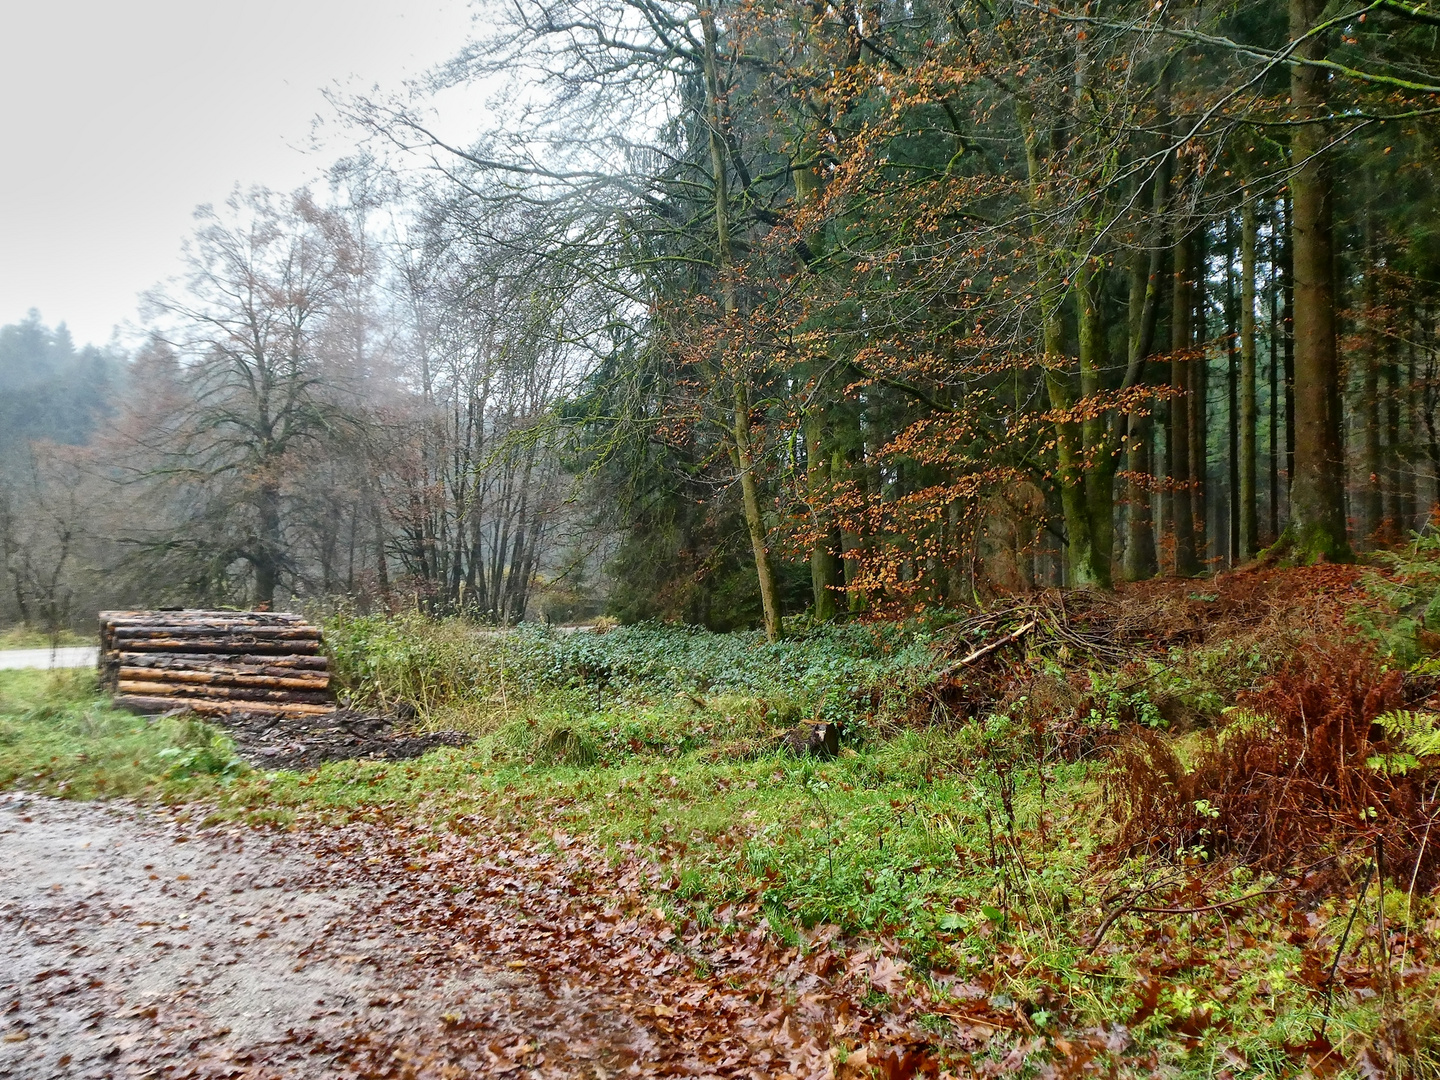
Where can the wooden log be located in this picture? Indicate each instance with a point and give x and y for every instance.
(308, 672)
(231, 645)
(273, 624)
(215, 660)
(300, 679)
(219, 693)
(319, 683)
(278, 664)
(183, 623)
(287, 679)
(258, 633)
(217, 625)
(151, 705)
(213, 623)
(291, 708)
(188, 614)
(199, 615)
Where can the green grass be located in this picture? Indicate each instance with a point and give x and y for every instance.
(58, 736)
(21, 637)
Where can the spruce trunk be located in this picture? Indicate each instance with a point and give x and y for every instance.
(1249, 527)
(1181, 518)
(1317, 502)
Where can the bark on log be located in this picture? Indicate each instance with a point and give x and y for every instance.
(230, 645)
(220, 693)
(284, 664)
(151, 705)
(239, 634)
(206, 626)
(258, 618)
(226, 678)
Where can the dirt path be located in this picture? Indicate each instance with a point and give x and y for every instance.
(132, 946)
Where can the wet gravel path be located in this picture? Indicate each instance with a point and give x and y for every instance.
(134, 945)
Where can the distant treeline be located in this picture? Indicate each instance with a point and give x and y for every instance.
(49, 389)
(315, 419)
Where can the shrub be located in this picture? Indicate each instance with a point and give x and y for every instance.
(1319, 759)
(837, 673)
(1403, 615)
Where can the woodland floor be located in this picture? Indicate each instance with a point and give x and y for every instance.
(138, 944)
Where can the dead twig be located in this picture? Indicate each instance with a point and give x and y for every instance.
(986, 650)
(1129, 907)
(1329, 982)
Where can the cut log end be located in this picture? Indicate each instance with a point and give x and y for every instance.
(809, 739)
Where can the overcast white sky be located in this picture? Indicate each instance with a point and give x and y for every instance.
(118, 118)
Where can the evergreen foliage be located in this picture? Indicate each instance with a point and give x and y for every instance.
(49, 389)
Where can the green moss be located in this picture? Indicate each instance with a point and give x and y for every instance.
(1306, 545)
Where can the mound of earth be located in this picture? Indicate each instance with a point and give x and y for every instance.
(291, 742)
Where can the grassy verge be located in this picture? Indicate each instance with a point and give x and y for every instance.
(59, 737)
(19, 637)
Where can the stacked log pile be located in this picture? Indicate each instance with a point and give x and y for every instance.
(215, 663)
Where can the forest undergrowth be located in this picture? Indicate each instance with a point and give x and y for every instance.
(1184, 828)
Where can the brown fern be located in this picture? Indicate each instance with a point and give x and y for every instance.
(1290, 788)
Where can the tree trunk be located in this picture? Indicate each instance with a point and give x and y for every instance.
(1249, 527)
(1287, 297)
(1085, 495)
(1182, 521)
(741, 450)
(266, 560)
(1145, 287)
(1086, 486)
(1407, 475)
(1199, 401)
(826, 569)
(1092, 567)
(1371, 466)
(754, 520)
(1317, 497)
(1394, 516)
(1139, 558)
(1232, 397)
(1274, 335)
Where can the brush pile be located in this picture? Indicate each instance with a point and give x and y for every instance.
(1146, 619)
(215, 663)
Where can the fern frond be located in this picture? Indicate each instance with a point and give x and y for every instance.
(1417, 732)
